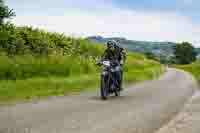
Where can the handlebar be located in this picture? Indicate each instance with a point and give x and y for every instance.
(112, 63)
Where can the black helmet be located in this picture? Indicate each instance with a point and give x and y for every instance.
(111, 43)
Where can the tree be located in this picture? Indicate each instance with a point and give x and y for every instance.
(5, 12)
(184, 53)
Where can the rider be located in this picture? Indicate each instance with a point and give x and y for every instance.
(114, 54)
(109, 53)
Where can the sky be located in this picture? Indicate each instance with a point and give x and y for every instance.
(146, 20)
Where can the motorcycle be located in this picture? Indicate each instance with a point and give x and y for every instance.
(109, 85)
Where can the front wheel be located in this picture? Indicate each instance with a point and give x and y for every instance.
(104, 91)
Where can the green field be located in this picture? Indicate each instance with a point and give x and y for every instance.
(37, 63)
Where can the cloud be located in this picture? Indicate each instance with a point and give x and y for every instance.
(111, 21)
(188, 2)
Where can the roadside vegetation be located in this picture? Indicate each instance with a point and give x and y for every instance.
(28, 77)
(193, 68)
(186, 60)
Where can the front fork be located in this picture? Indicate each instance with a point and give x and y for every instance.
(112, 80)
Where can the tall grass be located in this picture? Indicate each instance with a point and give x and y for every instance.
(22, 67)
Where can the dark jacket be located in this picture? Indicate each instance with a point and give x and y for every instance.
(120, 54)
(116, 56)
(109, 55)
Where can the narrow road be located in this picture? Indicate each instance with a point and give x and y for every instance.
(142, 108)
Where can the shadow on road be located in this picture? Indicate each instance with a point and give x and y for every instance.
(112, 98)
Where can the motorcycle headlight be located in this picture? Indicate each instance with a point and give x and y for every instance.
(106, 63)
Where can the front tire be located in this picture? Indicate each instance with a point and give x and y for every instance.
(104, 92)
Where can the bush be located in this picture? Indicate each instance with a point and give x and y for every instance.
(27, 40)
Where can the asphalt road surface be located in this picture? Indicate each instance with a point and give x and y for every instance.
(142, 108)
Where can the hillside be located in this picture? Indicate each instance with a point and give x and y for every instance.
(37, 63)
(160, 49)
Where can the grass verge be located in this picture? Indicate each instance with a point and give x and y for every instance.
(193, 68)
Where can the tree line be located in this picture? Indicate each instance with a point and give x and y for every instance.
(184, 53)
